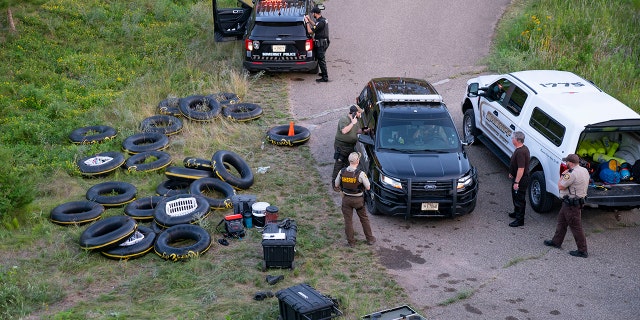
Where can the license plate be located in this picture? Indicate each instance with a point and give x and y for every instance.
(429, 206)
(278, 48)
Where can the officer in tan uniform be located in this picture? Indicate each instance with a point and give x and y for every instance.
(573, 186)
(352, 182)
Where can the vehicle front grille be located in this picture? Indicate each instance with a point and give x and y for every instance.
(420, 189)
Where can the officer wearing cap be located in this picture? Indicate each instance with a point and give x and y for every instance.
(353, 182)
(346, 138)
(573, 186)
(320, 31)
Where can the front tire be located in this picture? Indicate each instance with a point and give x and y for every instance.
(469, 129)
(370, 203)
(541, 201)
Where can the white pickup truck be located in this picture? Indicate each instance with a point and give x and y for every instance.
(560, 113)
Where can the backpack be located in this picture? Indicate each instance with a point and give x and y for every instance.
(233, 226)
(607, 175)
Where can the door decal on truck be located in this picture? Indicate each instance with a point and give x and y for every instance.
(496, 122)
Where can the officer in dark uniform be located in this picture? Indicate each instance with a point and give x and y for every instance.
(320, 31)
(352, 182)
(519, 175)
(573, 185)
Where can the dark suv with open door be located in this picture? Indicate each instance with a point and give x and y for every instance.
(274, 33)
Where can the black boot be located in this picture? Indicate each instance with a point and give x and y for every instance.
(516, 223)
(519, 218)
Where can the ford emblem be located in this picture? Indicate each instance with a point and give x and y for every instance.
(429, 187)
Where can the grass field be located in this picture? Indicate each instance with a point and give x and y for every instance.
(71, 64)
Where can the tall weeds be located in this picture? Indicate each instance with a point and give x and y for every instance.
(599, 40)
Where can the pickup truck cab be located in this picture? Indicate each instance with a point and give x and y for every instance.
(560, 113)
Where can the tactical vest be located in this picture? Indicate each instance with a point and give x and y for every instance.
(349, 181)
(324, 33)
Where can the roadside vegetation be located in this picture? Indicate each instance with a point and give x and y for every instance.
(71, 64)
(598, 40)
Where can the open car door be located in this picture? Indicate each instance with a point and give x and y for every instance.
(231, 23)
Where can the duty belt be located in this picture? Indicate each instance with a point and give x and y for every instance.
(352, 195)
(575, 202)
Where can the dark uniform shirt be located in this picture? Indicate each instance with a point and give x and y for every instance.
(321, 30)
(520, 159)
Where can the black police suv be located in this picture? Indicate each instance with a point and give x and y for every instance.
(274, 32)
(412, 153)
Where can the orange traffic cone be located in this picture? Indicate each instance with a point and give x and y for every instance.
(291, 131)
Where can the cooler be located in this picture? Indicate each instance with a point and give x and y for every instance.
(302, 302)
(398, 313)
(278, 244)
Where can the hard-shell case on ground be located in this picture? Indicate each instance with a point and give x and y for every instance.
(302, 302)
(279, 253)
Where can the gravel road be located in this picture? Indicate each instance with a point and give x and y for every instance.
(509, 273)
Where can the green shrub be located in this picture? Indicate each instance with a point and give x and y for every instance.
(595, 39)
(16, 189)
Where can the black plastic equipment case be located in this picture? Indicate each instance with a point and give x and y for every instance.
(279, 253)
(398, 313)
(302, 302)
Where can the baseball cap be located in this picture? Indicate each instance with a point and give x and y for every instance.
(315, 10)
(354, 156)
(355, 108)
(572, 158)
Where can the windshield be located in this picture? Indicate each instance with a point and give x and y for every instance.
(418, 135)
(280, 29)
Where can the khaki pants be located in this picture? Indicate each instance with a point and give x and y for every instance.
(350, 203)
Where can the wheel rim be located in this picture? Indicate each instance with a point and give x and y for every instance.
(535, 192)
(467, 127)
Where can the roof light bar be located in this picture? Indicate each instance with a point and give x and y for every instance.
(431, 98)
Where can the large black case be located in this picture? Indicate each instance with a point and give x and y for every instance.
(279, 253)
(302, 302)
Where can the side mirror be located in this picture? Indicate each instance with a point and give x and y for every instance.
(483, 92)
(365, 139)
(472, 89)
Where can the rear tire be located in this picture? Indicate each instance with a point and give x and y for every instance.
(541, 201)
(314, 70)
